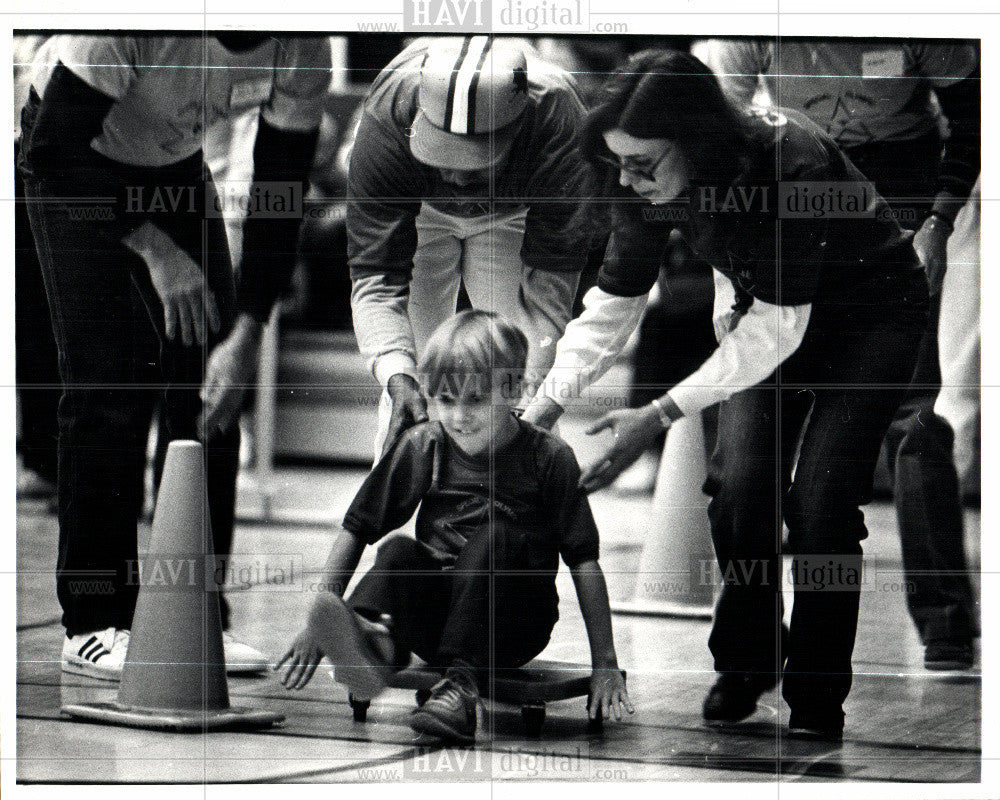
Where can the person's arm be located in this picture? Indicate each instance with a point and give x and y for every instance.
(586, 351)
(762, 339)
(283, 153)
(611, 312)
(69, 117)
(58, 147)
(961, 103)
(607, 686)
(383, 200)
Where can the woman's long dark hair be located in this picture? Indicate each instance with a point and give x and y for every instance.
(672, 95)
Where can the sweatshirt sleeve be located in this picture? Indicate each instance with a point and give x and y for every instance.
(554, 239)
(384, 191)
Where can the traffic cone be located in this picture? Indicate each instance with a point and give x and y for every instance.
(677, 566)
(175, 672)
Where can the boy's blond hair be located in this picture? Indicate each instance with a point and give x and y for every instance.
(474, 351)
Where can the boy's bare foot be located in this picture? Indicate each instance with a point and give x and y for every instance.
(360, 650)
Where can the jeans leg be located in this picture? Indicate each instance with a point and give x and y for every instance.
(747, 473)
(36, 358)
(928, 503)
(498, 616)
(88, 283)
(864, 369)
(407, 583)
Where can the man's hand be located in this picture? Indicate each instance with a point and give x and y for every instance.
(408, 407)
(230, 370)
(608, 695)
(303, 658)
(188, 303)
(634, 431)
(543, 412)
(931, 244)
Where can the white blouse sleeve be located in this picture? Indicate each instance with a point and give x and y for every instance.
(764, 337)
(591, 344)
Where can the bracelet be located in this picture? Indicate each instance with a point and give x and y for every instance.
(938, 215)
(661, 412)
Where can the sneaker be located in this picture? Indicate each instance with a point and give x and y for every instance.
(241, 658)
(362, 652)
(817, 727)
(734, 696)
(948, 654)
(450, 712)
(99, 654)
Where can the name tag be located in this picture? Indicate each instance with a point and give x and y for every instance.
(882, 64)
(246, 94)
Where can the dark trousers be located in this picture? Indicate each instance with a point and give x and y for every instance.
(832, 401)
(36, 362)
(109, 329)
(928, 504)
(919, 443)
(477, 610)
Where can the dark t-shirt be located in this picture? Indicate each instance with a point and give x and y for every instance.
(528, 499)
(763, 232)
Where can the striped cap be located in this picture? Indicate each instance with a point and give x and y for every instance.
(472, 93)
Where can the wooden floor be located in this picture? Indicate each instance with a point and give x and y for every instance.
(903, 723)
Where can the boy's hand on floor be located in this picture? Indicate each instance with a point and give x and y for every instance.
(608, 693)
(302, 657)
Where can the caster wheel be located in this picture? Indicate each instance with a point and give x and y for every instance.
(423, 695)
(359, 708)
(533, 718)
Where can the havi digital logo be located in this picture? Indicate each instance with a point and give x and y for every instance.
(442, 16)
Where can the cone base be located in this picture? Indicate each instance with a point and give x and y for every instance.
(165, 719)
(657, 609)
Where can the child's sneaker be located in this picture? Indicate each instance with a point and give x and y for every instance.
(99, 654)
(362, 652)
(450, 712)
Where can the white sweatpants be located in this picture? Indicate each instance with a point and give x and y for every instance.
(484, 254)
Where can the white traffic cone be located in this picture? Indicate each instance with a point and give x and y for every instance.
(677, 569)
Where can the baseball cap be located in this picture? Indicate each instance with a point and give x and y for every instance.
(471, 97)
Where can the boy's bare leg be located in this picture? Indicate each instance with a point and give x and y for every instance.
(361, 650)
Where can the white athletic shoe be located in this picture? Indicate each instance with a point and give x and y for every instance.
(99, 654)
(241, 658)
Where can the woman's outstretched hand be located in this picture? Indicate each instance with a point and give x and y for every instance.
(634, 431)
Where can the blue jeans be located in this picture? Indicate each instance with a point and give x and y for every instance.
(831, 402)
(115, 362)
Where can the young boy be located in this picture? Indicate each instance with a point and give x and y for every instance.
(475, 591)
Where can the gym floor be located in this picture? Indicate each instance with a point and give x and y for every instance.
(904, 724)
